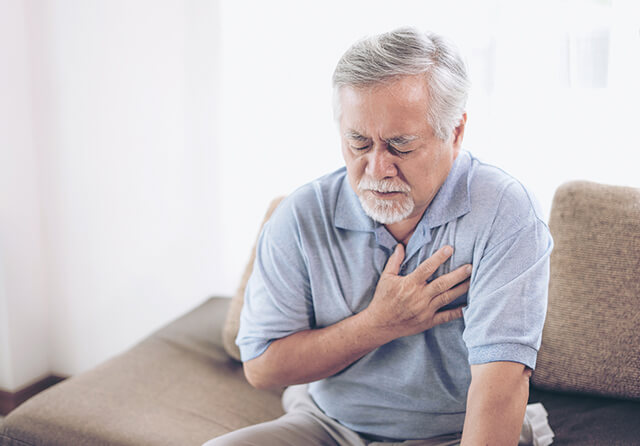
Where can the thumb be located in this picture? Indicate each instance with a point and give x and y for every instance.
(395, 261)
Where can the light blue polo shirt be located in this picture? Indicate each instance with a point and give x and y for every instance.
(319, 259)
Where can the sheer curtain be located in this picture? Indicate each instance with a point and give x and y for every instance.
(554, 98)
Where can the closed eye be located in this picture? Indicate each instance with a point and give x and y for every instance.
(357, 142)
(398, 151)
(399, 145)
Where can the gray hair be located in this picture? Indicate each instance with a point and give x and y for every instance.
(407, 51)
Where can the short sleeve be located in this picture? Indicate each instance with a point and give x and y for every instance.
(508, 294)
(277, 299)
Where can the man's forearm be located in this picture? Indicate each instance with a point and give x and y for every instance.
(496, 404)
(311, 355)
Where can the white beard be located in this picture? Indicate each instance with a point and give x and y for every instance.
(387, 211)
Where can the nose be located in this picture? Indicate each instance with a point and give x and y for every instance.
(380, 164)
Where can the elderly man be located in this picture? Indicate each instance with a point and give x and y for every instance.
(409, 289)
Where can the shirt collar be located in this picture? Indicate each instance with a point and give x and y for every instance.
(451, 201)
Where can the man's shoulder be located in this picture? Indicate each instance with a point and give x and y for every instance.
(493, 190)
(321, 190)
(312, 201)
(501, 205)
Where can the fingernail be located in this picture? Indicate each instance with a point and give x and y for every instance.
(468, 269)
(448, 250)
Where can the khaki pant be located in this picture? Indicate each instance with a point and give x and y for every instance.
(304, 424)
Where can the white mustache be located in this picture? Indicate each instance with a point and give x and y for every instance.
(383, 185)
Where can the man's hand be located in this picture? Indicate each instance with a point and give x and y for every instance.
(407, 305)
(401, 306)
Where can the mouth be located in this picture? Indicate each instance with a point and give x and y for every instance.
(386, 195)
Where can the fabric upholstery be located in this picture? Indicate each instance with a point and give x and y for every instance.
(591, 339)
(232, 322)
(589, 420)
(178, 387)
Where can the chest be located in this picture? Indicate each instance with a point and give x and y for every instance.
(344, 270)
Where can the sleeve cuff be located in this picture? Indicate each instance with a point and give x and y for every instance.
(503, 352)
(252, 350)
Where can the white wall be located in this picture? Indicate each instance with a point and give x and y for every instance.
(109, 186)
(532, 109)
(23, 304)
(128, 197)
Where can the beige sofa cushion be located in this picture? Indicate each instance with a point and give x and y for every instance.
(232, 322)
(591, 338)
(176, 388)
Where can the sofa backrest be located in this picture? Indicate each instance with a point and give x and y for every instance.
(591, 338)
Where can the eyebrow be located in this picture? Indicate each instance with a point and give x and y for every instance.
(400, 140)
(395, 141)
(352, 134)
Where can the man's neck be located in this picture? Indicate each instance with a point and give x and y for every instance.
(403, 230)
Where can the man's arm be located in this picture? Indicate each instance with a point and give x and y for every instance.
(496, 404)
(401, 306)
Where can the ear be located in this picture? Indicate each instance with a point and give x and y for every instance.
(458, 133)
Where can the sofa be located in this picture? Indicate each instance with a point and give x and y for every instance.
(184, 384)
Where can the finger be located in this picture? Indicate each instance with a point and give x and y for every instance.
(449, 296)
(447, 316)
(395, 261)
(447, 281)
(429, 266)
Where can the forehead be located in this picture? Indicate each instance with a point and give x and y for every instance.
(399, 106)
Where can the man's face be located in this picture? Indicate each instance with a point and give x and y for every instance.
(394, 161)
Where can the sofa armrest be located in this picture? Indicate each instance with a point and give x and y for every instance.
(199, 330)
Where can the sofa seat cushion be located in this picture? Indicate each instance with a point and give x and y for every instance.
(589, 420)
(178, 387)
